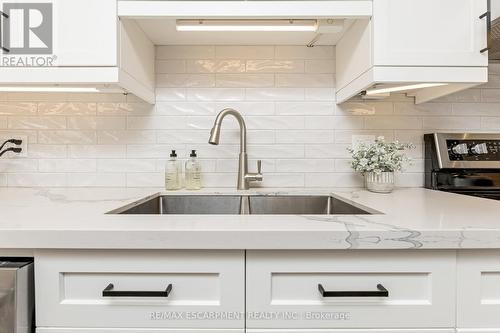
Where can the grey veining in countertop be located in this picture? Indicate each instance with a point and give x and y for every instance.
(412, 218)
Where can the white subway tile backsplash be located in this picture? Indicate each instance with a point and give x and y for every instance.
(304, 136)
(244, 52)
(452, 123)
(320, 94)
(170, 94)
(347, 179)
(185, 80)
(490, 95)
(184, 109)
(365, 108)
(67, 137)
(275, 66)
(327, 151)
(305, 165)
(393, 122)
(125, 137)
(345, 136)
(145, 179)
(244, 80)
(126, 165)
(81, 122)
(476, 109)
(8, 165)
(98, 180)
(305, 80)
(275, 94)
(304, 52)
(216, 94)
(124, 109)
(275, 122)
(67, 109)
(37, 123)
(67, 165)
(37, 180)
(47, 151)
(148, 151)
(185, 52)
(18, 109)
(283, 180)
(490, 123)
(470, 95)
(156, 122)
(96, 151)
(326, 66)
(333, 122)
(248, 108)
(216, 66)
(170, 66)
(306, 108)
(426, 109)
(286, 94)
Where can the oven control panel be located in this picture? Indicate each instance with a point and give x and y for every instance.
(473, 150)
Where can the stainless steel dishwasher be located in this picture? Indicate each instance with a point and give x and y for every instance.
(17, 297)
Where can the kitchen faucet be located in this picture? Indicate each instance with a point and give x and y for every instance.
(244, 177)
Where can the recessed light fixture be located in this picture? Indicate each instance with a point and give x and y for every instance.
(386, 90)
(247, 25)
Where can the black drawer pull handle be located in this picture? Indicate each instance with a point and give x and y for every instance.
(109, 292)
(487, 14)
(381, 292)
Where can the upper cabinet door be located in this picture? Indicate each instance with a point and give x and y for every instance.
(80, 33)
(429, 32)
(85, 32)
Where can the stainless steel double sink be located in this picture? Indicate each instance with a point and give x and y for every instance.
(159, 204)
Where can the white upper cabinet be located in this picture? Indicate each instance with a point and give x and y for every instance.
(74, 45)
(426, 48)
(85, 32)
(73, 32)
(429, 33)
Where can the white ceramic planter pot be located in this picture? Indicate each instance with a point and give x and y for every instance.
(379, 182)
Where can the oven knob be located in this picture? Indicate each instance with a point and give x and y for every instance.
(479, 149)
(460, 149)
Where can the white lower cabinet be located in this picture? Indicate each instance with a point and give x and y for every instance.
(360, 290)
(134, 330)
(267, 291)
(136, 291)
(478, 291)
(444, 330)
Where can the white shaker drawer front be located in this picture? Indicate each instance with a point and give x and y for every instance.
(332, 289)
(147, 330)
(478, 286)
(384, 330)
(140, 289)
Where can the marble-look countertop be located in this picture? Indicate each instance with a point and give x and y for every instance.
(412, 218)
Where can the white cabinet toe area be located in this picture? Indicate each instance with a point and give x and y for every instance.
(267, 291)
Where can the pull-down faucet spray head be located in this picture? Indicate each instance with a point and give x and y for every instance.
(214, 135)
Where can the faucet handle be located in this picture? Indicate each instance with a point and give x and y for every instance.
(259, 166)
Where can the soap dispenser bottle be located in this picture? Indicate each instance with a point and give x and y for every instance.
(193, 172)
(172, 173)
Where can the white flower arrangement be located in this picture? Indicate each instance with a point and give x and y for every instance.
(380, 156)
